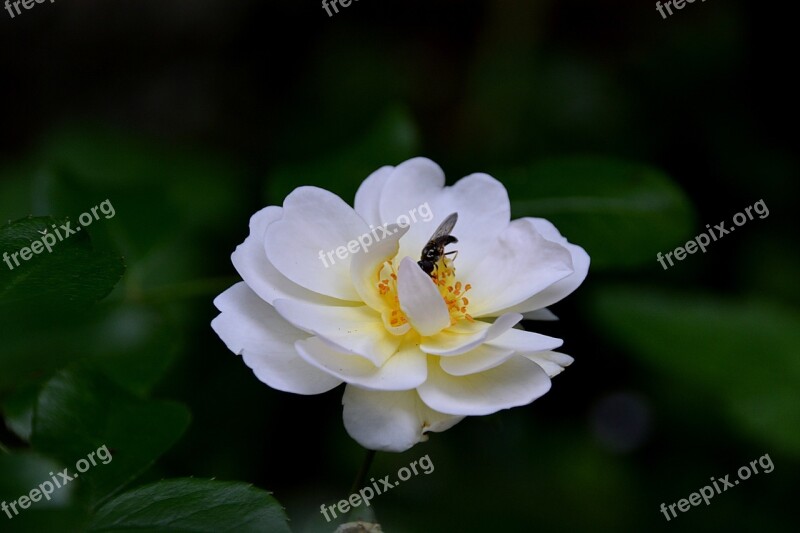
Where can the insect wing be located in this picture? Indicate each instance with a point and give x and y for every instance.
(445, 227)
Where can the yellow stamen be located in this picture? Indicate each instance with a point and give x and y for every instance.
(452, 290)
(387, 287)
(444, 277)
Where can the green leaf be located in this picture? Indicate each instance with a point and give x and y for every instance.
(72, 272)
(392, 140)
(622, 213)
(37, 342)
(79, 412)
(20, 473)
(132, 343)
(741, 353)
(47, 299)
(192, 505)
(18, 411)
(15, 188)
(186, 191)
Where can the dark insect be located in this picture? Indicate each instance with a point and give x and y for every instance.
(434, 250)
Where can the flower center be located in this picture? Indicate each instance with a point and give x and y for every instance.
(444, 277)
(454, 294)
(387, 286)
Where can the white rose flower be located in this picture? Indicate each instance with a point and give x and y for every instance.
(417, 352)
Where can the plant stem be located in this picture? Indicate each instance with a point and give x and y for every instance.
(363, 472)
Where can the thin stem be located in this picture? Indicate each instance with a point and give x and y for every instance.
(4, 449)
(363, 472)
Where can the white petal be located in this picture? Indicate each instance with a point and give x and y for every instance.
(467, 335)
(551, 362)
(420, 300)
(250, 260)
(315, 224)
(474, 361)
(358, 330)
(540, 314)
(523, 341)
(390, 421)
(518, 265)
(416, 187)
(368, 198)
(253, 329)
(365, 267)
(516, 382)
(404, 370)
(484, 212)
(562, 288)
(411, 184)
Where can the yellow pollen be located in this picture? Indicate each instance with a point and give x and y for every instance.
(452, 291)
(444, 277)
(387, 287)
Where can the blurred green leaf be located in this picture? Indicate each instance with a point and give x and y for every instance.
(134, 346)
(46, 300)
(392, 140)
(132, 343)
(768, 263)
(74, 271)
(78, 412)
(106, 159)
(20, 473)
(37, 342)
(185, 191)
(622, 213)
(15, 189)
(135, 231)
(743, 354)
(24, 471)
(18, 411)
(192, 505)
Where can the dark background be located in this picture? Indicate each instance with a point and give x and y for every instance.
(191, 116)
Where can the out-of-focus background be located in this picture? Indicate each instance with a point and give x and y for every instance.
(629, 131)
